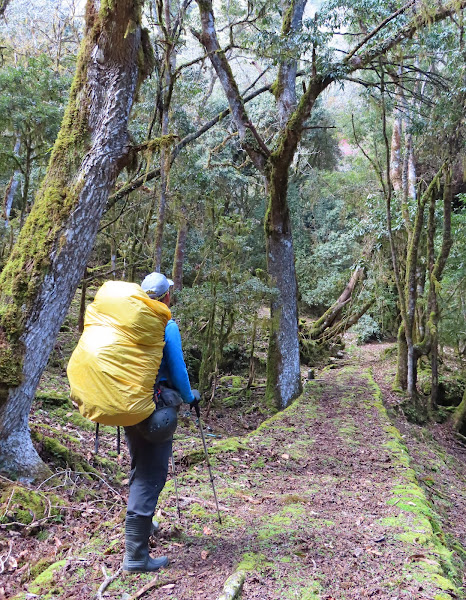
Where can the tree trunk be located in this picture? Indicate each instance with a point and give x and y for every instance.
(283, 365)
(458, 421)
(333, 313)
(25, 191)
(82, 303)
(10, 194)
(12, 185)
(178, 260)
(435, 276)
(401, 379)
(395, 152)
(164, 170)
(48, 261)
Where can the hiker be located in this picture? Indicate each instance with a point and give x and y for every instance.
(149, 460)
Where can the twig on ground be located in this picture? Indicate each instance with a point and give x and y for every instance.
(32, 524)
(8, 503)
(6, 479)
(3, 560)
(52, 477)
(191, 499)
(107, 582)
(154, 583)
(68, 472)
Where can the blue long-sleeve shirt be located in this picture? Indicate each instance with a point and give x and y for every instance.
(173, 368)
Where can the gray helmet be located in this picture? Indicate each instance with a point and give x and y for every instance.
(160, 426)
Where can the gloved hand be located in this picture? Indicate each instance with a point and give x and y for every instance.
(195, 403)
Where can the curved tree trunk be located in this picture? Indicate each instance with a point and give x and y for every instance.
(48, 261)
(333, 314)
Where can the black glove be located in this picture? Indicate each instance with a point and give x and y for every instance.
(195, 403)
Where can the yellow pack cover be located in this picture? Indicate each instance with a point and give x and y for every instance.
(112, 370)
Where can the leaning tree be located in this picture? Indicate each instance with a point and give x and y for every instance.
(48, 260)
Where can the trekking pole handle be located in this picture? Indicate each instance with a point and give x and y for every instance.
(198, 410)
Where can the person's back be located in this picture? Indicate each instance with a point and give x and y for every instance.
(149, 457)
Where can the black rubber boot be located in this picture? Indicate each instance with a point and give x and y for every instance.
(137, 558)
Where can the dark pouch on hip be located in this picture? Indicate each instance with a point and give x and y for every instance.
(165, 396)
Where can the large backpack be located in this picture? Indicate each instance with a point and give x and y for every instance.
(113, 369)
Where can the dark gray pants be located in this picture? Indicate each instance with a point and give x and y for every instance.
(149, 470)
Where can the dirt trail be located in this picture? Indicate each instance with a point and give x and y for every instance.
(319, 503)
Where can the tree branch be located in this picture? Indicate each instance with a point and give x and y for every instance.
(254, 145)
(404, 33)
(154, 173)
(377, 29)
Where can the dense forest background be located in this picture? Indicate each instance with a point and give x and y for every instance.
(299, 170)
(371, 165)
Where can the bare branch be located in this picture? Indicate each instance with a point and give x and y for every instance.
(107, 582)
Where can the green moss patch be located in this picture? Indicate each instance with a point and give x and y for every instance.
(25, 506)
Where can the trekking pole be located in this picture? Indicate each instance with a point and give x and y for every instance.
(198, 415)
(176, 486)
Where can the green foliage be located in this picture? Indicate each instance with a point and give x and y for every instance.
(367, 329)
(452, 328)
(32, 99)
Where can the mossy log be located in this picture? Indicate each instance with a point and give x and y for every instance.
(323, 337)
(48, 260)
(233, 586)
(333, 314)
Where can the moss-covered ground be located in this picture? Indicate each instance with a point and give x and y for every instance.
(321, 501)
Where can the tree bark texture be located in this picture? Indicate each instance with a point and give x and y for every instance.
(283, 366)
(48, 261)
(401, 379)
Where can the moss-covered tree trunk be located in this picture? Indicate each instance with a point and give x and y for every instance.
(458, 421)
(48, 261)
(401, 379)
